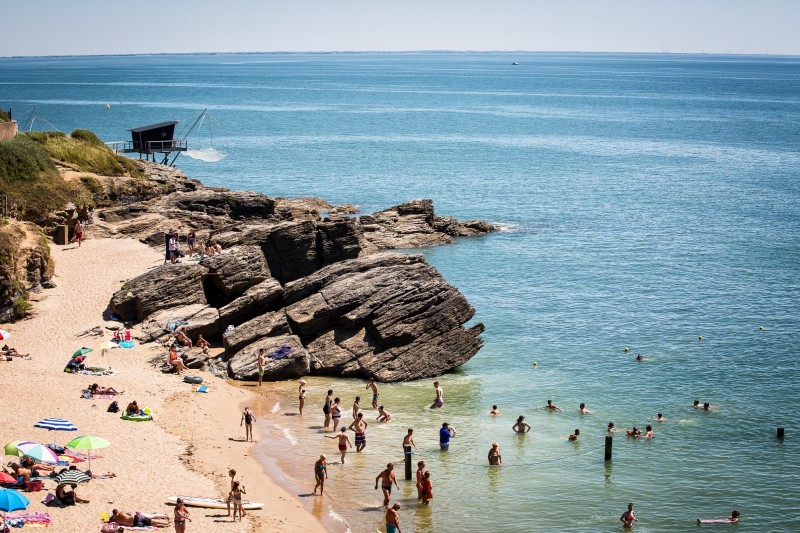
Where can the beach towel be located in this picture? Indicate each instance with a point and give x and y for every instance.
(202, 388)
(281, 352)
(29, 519)
(82, 456)
(126, 344)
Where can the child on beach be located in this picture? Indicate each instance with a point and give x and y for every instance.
(383, 414)
(344, 442)
(356, 407)
(408, 440)
(232, 474)
(302, 396)
(236, 494)
(494, 411)
(427, 489)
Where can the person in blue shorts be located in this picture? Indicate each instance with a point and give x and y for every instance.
(393, 519)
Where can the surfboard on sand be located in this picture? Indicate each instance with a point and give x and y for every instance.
(212, 503)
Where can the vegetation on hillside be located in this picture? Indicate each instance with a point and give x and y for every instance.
(4, 116)
(84, 152)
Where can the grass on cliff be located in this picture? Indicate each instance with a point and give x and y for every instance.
(84, 152)
(31, 181)
(4, 116)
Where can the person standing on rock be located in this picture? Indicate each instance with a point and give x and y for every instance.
(359, 425)
(260, 365)
(371, 385)
(327, 408)
(439, 401)
(173, 248)
(247, 419)
(167, 237)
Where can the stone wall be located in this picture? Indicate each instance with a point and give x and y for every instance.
(8, 130)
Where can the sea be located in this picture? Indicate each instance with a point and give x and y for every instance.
(647, 204)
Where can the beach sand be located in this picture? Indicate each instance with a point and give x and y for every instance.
(187, 450)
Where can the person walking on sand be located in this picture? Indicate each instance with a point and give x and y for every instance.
(327, 408)
(302, 396)
(247, 419)
(344, 442)
(359, 425)
(181, 516)
(494, 455)
(260, 365)
(627, 517)
(356, 407)
(320, 473)
(439, 401)
(520, 426)
(336, 413)
(232, 475)
(383, 414)
(78, 232)
(393, 519)
(386, 478)
(236, 494)
(371, 385)
(408, 440)
(420, 477)
(427, 488)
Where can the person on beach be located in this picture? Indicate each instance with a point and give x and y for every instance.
(190, 240)
(627, 517)
(359, 426)
(383, 414)
(551, 407)
(236, 494)
(261, 366)
(183, 339)
(444, 436)
(575, 435)
(494, 457)
(582, 408)
(202, 344)
(247, 419)
(327, 408)
(138, 519)
(408, 440)
(494, 411)
(386, 478)
(427, 488)
(635, 432)
(68, 497)
(439, 401)
(133, 409)
(371, 385)
(611, 427)
(97, 389)
(732, 519)
(173, 248)
(232, 475)
(420, 477)
(649, 432)
(302, 396)
(356, 407)
(344, 442)
(336, 413)
(181, 516)
(175, 360)
(320, 473)
(393, 519)
(520, 426)
(78, 232)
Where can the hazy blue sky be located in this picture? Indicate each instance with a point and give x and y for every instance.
(44, 27)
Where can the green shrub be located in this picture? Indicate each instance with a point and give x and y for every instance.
(88, 136)
(92, 184)
(4, 116)
(21, 306)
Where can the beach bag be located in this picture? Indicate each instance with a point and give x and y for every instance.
(114, 407)
(110, 527)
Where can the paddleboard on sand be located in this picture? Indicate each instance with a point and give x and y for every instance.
(212, 503)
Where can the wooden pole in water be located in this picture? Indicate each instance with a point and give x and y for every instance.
(609, 442)
(780, 433)
(407, 450)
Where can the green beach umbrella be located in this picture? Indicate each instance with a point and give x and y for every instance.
(81, 351)
(11, 447)
(88, 442)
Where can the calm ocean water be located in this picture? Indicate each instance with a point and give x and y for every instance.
(649, 200)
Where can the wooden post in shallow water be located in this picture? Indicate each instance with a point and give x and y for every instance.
(780, 433)
(609, 442)
(407, 450)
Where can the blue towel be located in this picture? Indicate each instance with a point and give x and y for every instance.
(202, 388)
(281, 352)
(126, 344)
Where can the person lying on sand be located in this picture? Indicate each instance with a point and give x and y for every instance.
(11, 352)
(97, 389)
(732, 519)
(138, 519)
(23, 475)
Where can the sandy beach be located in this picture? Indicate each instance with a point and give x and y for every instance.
(194, 439)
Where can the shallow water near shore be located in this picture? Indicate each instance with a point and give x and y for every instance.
(647, 200)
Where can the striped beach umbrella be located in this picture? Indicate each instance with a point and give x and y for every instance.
(4, 335)
(72, 477)
(55, 424)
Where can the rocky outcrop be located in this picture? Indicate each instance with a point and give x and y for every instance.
(414, 225)
(25, 265)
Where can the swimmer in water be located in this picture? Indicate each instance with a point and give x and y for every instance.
(383, 414)
(696, 404)
(494, 411)
(660, 417)
(575, 435)
(635, 432)
(611, 427)
(639, 357)
(582, 408)
(706, 407)
(551, 407)
(649, 432)
(494, 455)
(520, 426)
(732, 519)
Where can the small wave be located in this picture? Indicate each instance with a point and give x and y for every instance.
(505, 227)
(336, 516)
(290, 436)
(276, 407)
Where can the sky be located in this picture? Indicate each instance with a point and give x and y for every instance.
(85, 27)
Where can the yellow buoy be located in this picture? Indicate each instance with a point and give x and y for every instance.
(535, 363)
(626, 349)
(108, 106)
(700, 338)
(761, 328)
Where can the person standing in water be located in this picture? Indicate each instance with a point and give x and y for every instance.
(575, 435)
(551, 407)
(327, 408)
(427, 489)
(320, 474)
(344, 442)
(336, 413)
(247, 419)
(359, 425)
(439, 401)
(444, 436)
(393, 519)
(408, 440)
(582, 408)
(627, 517)
(520, 426)
(495, 411)
(383, 414)
(356, 407)
(261, 361)
(371, 385)
(494, 455)
(302, 396)
(420, 477)
(386, 478)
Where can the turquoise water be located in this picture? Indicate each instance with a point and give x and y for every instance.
(648, 200)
